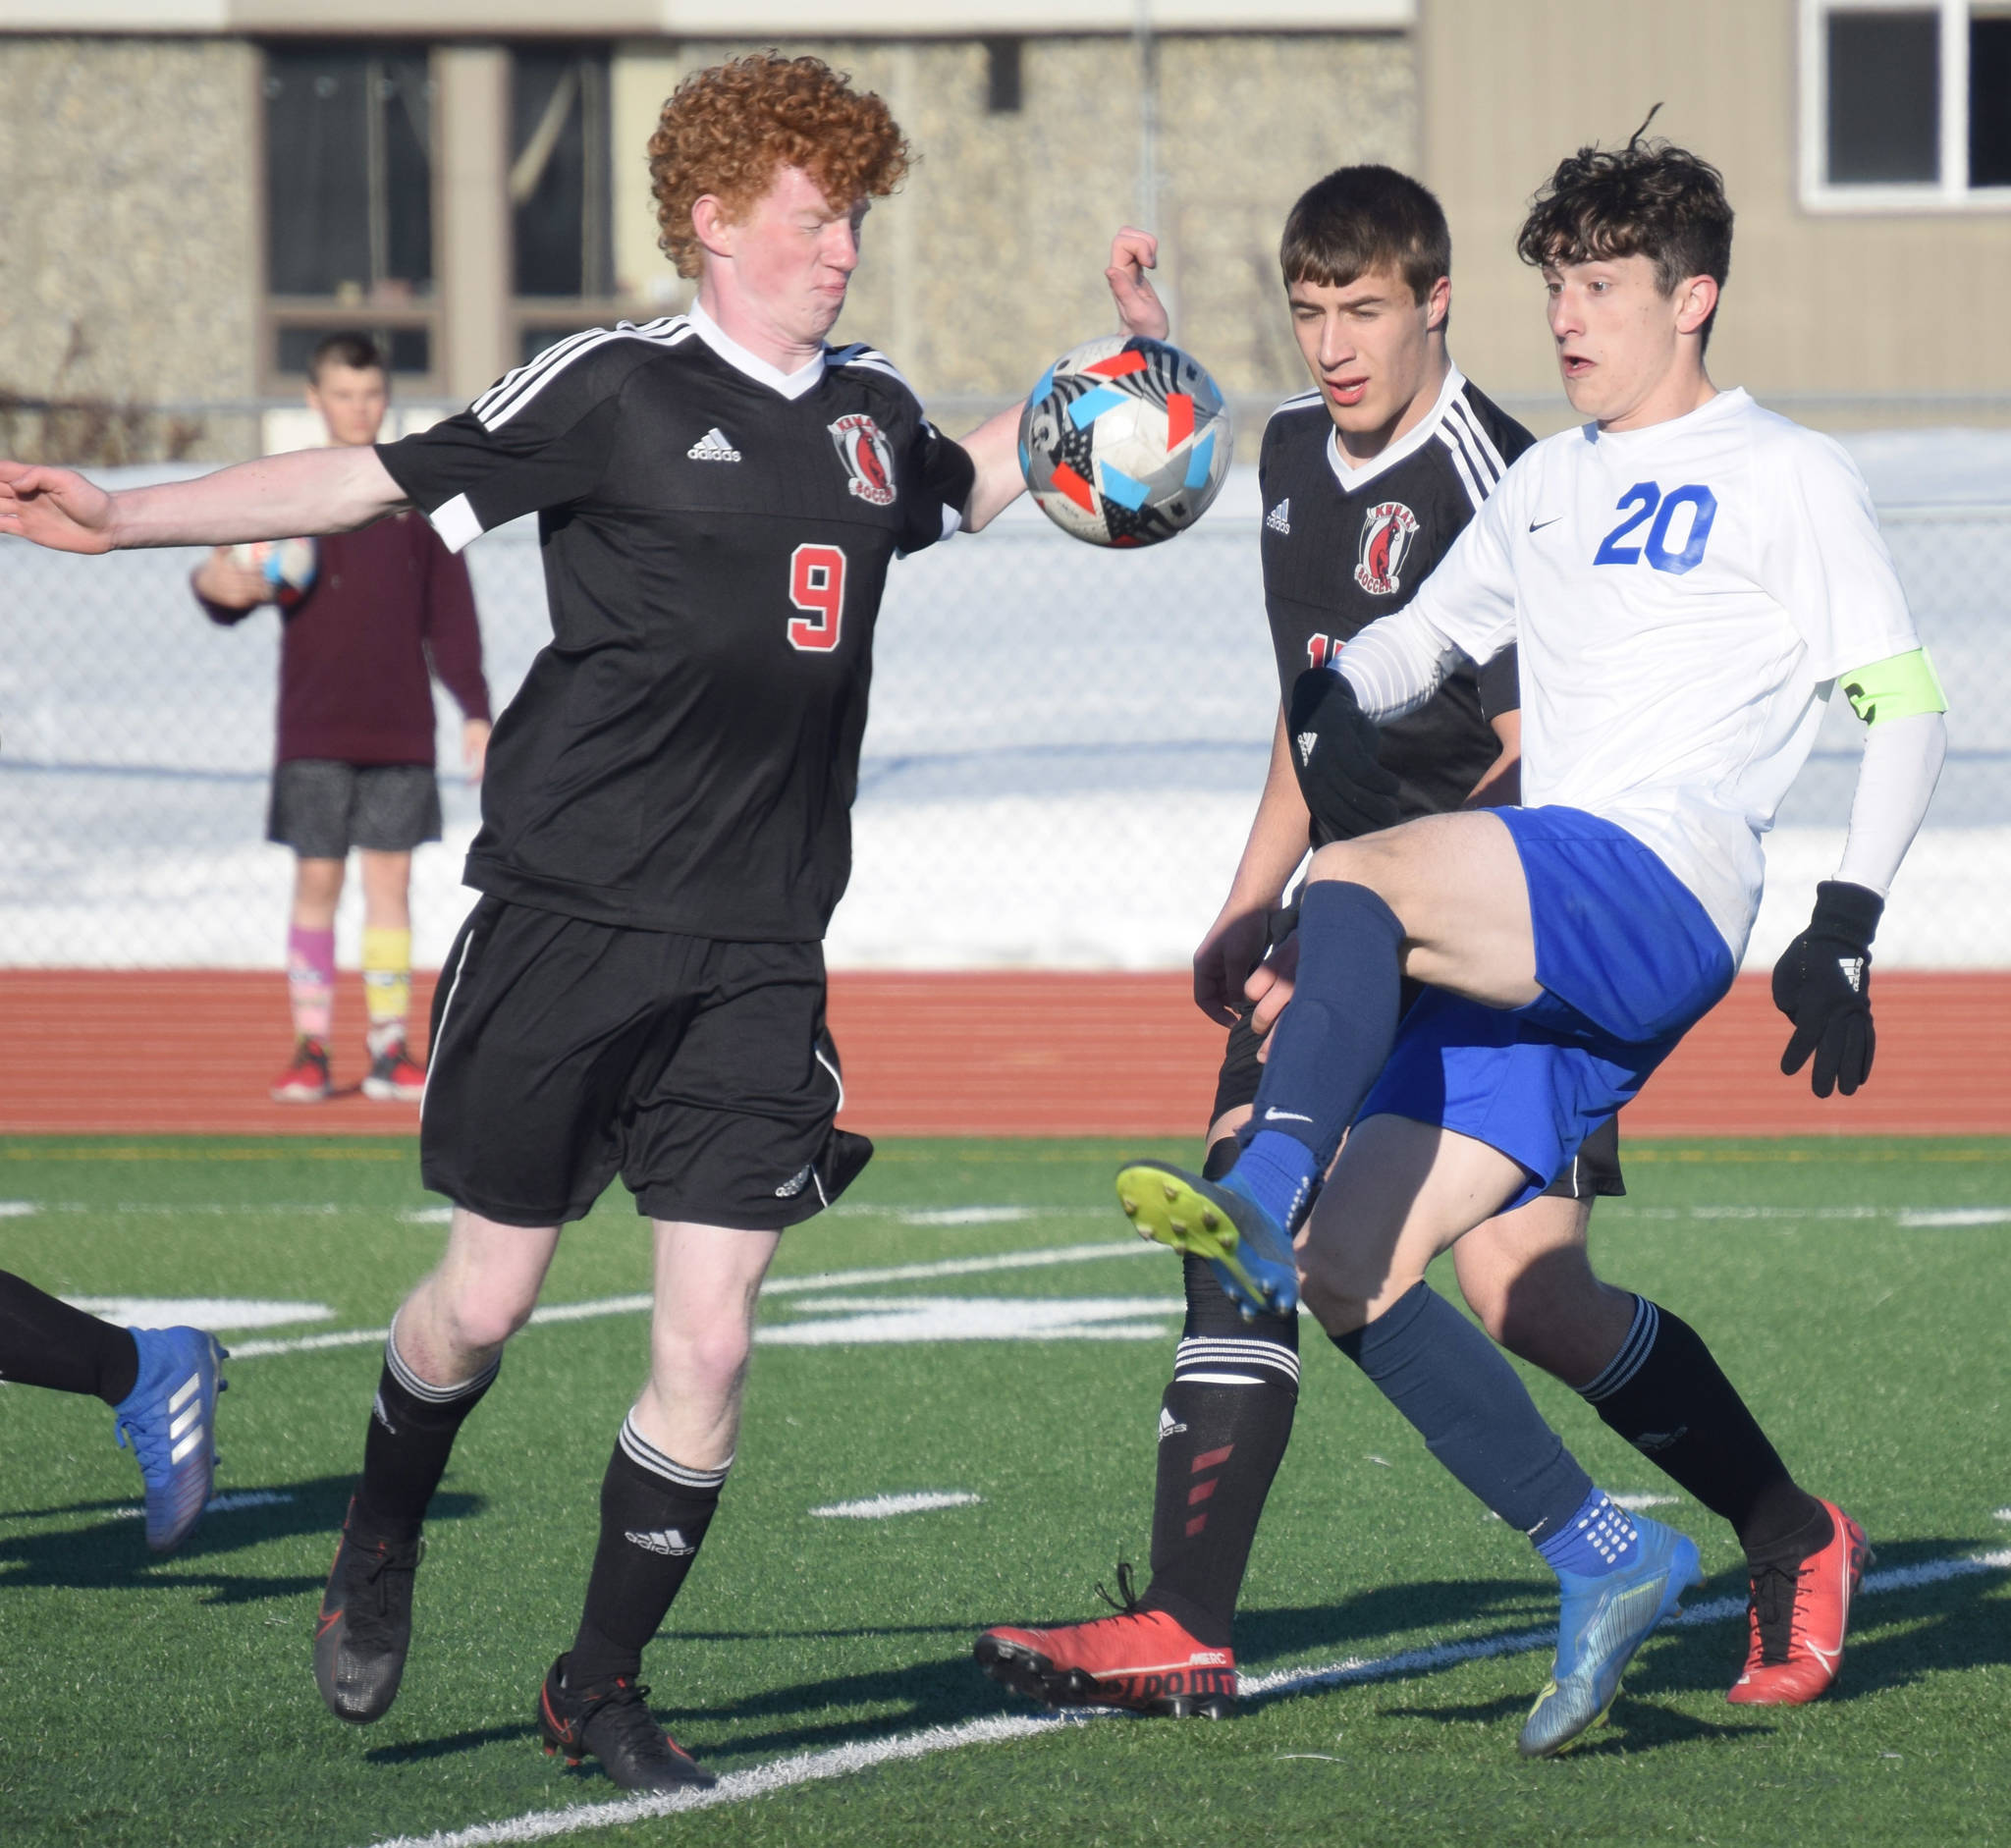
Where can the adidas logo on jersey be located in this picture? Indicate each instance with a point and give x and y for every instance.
(713, 447)
(1280, 519)
(669, 1541)
(1305, 741)
(1169, 1425)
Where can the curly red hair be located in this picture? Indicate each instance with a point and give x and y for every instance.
(727, 130)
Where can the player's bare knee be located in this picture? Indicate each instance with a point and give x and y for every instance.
(709, 1360)
(1329, 1289)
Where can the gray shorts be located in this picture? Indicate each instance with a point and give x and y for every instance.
(322, 809)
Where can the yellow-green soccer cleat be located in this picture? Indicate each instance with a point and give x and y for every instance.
(1604, 1621)
(1246, 1248)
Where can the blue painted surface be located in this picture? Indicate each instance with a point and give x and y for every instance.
(1198, 461)
(1119, 487)
(1091, 406)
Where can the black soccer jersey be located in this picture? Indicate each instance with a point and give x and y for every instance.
(1344, 546)
(716, 535)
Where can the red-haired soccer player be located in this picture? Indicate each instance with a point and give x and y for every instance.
(640, 990)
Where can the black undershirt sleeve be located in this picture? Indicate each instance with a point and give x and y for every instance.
(1501, 685)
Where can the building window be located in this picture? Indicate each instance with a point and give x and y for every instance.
(1906, 104)
(561, 184)
(349, 189)
(1004, 95)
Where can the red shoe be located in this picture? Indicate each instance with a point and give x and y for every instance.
(396, 1076)
(1798, 1619)
(305, 1080)
(1141, 1661)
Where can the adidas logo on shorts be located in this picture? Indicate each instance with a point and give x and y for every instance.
(797, 1181)
(669, 1541)
(1280, 519)
(713, 447)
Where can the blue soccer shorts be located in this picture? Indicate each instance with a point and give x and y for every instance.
(1628, 962)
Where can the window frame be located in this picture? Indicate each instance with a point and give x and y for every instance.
(1952, 192)
(277, 311)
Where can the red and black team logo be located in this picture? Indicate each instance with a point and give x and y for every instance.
(867, 457)
(1388, 532)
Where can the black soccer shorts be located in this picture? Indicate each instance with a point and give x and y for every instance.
(1593, 1171)
(564, 1053)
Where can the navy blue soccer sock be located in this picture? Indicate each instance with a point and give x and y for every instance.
(1332, 1042)
(1474, 1414)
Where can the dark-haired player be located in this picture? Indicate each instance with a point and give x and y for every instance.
(161, 1385)
(1688, 578)
(666, 828)
(1366, 255)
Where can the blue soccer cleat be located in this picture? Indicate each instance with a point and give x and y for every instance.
(1605, 1620)
(1243, 1245)
(170, 1417)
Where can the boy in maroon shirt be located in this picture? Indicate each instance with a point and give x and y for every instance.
(389, 608)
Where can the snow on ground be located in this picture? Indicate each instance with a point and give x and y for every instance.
(1065, 750)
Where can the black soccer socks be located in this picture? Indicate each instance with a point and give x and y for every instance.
(45, 1342)
(654, 1512)
(411, 1432)
(1473, 1412)
(1666, 1395)
(1223, 1424)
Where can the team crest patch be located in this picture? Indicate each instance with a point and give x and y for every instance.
(1388, 532)
(867, 459)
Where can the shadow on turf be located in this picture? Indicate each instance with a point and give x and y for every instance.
(112, 1555)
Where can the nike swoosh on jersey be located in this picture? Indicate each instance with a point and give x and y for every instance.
(1537, 525)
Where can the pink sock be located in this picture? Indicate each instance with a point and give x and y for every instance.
(310, 980)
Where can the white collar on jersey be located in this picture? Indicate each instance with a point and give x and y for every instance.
(1407, 445)
(789, 384)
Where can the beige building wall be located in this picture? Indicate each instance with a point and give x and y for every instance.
(129, 236)
(989, 262)
(1838, 318)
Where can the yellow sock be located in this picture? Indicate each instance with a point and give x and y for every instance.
(387, 982)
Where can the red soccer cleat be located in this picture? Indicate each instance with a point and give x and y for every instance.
(1797, 1620)
(305, 1080)
(394, 1076)
(1141, 1661)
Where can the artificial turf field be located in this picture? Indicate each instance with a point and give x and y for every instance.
(1858, 1292)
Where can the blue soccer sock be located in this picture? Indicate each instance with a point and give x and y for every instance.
(1277, 1173)
(1474, 1414)
(1330, 1043)
(1598, 1539)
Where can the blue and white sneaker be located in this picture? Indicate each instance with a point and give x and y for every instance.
(1243, 1245)
(1605, 1620)
(170, 1417)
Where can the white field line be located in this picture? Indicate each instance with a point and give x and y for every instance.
(879, 1507)
(775, 1286)
(809, 1767)
(230, 1503)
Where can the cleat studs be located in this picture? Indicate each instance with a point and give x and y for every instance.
(1130, 1204)
(1171, 1192)
(1211, 1221)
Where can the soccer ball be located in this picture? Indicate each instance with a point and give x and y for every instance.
(1124, 442)
(288, 566)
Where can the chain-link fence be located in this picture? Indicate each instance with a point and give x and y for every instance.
(1065, 750)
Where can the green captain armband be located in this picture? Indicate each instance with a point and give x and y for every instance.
(1898, 687)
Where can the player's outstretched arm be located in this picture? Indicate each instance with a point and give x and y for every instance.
(1140, 311)
(278, 497)
(994, 450)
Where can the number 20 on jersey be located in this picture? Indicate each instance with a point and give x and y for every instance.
(1674, 542)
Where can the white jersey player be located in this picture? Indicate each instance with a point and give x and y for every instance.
(1688, 577)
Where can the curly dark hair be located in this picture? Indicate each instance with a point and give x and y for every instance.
(1650, 199)
(728, 129)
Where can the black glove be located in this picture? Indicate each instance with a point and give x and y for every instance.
(1333, 751)
(1823, 983)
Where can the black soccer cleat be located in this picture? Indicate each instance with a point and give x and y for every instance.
(365, 1623)
(612, 1723)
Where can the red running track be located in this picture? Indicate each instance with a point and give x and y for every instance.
(1020, 1054)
